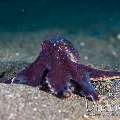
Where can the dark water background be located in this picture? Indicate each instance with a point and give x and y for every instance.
(94, 17)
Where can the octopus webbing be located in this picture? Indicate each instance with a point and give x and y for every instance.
(58, 67)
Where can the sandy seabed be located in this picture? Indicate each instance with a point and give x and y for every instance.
(22, 102)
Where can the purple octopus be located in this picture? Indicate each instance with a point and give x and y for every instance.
(58, 69)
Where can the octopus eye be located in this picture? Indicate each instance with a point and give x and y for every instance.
(65, 45)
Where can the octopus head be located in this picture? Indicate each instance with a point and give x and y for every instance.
(66, 47)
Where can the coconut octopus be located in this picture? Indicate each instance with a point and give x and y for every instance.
(58, 69)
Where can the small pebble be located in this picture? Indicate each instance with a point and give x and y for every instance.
(66, 119)
(114, 53)
(44, 105)
(86, 117)
(82, 44)
(118, 36)
(17, 54)
(23, 10)
(85, 57)
(35, 109)
(59, 111)
(11, 116)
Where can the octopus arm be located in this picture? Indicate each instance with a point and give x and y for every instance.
(87, 88)
(32, 75)
(100, 75)
(81, 78)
